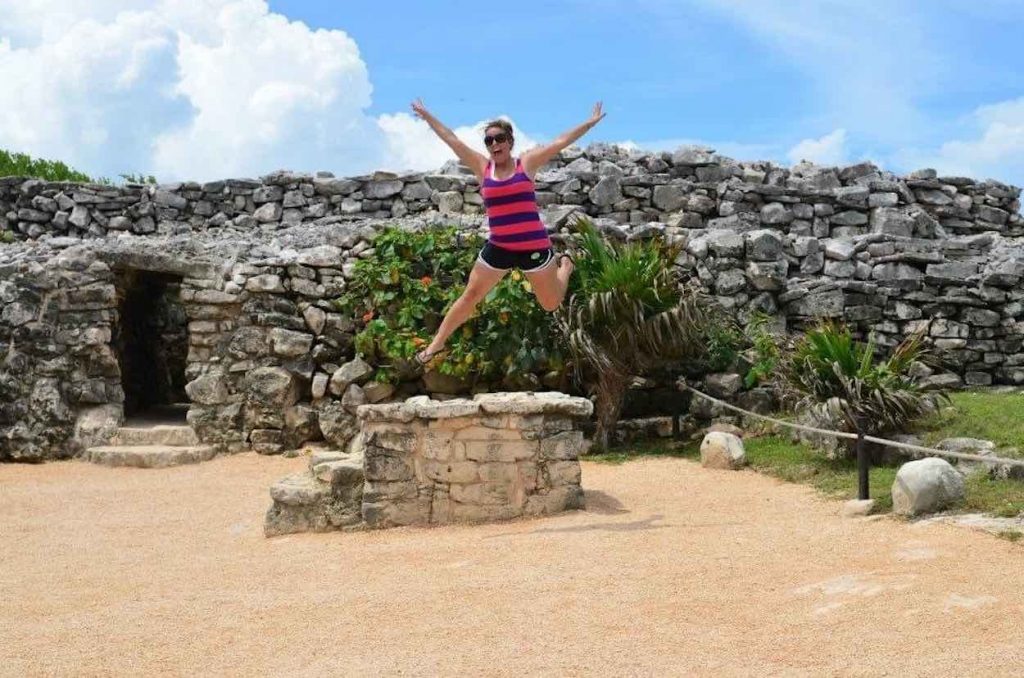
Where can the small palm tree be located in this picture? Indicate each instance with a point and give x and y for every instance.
(838, 379)
(627, 312)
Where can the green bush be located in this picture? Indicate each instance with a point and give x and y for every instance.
(765, 352)
(402, 292)
(723, 341)
(627, 312)
(838, 378)
(24, 165)
(20, 164)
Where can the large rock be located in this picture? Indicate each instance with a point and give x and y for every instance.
(722, 451)
(97, 425)
(273, 388)
(355, 371)
(209, 389)
(926, 486)
(764, 245)
(607, 191)
(724, 385)
(892, 221)
(336, 424)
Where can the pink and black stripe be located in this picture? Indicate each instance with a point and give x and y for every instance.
(512, 212)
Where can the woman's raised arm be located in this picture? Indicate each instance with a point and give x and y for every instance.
(536, 158)
(475, 161)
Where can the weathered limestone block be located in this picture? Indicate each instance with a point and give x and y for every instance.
(511, 454)
(337, 426)
(328, 498)
(353, 372)
(208, 389)
(97, 425)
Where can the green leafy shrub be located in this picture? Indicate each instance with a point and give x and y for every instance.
(765, 352)
(837, 378)
(6, 237)
(626, 312)
(402, 292)
(24, 165)
(20, 164)
(723, 341)
(138, 178)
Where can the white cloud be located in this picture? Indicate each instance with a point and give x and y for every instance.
(996, 151)
(827, 150)
(197, 90)
(269, 93)
(412, 145)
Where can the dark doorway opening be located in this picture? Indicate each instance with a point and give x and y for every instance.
(151, 340)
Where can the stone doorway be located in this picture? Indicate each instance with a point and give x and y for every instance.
(151, 341)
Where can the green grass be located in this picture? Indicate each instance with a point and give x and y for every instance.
(798, 463)
(998, 417)
(777, 457)
(1004, 498)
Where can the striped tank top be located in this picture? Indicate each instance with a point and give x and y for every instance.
(512, 211)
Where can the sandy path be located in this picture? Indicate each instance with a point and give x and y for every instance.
(673, 570)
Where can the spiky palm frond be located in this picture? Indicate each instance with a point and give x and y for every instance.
(626, 312)
(839, 378)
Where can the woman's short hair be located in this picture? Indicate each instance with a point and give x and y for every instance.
(504, 125)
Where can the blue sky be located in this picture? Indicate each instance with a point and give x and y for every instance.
(211, 88)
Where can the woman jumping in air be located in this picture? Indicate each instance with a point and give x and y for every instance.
(517, 238)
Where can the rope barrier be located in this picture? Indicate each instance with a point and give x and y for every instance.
(853, 436)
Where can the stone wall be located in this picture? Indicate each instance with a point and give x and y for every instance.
(426, 462)
(692, 188)
(270, 362)
(57, 365)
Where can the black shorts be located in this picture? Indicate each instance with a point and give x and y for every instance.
(528, 261)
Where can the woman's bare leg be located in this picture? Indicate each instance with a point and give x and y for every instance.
(482, 279)
(551, 283)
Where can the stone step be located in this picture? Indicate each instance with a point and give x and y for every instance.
(149, 456)
(299, 489)
(159, 434)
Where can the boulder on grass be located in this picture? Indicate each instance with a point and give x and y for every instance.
(925, 486)
(722, 450)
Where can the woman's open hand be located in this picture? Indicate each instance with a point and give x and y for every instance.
(420, 110)
(596, 116)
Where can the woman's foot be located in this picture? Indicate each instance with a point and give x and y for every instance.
(424, 357)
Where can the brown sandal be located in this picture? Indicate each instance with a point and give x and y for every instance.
(424, 357)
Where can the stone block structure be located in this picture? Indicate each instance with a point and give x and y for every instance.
(426, 462)
(238, 277)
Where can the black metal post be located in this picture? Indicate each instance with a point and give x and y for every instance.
(863, 466)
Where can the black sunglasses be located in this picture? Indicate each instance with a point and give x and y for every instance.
(499, 138)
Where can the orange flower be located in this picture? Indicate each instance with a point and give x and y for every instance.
(426, 280)
(368, 316)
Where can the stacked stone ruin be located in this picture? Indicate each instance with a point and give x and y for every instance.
(257, 263)
(496, 456)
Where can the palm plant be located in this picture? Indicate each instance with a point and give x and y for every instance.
(838, 379)
(625, 313)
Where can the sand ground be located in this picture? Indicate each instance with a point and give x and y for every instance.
(672, 570)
